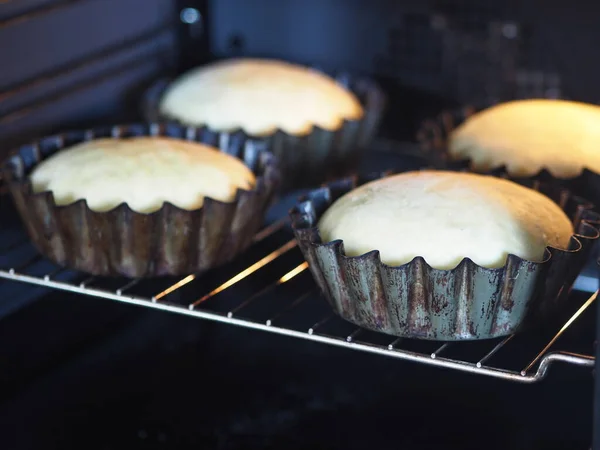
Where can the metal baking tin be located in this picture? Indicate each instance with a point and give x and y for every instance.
(122, 242)
(308, 160)
(417, 301)
(433, 137)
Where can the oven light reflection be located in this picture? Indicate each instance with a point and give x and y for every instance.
(292, 273)
(248, 271)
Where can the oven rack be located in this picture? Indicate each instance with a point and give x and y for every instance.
(314, 329)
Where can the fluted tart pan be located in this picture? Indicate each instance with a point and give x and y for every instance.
(123, 242)
(307, 160)
(415, 300)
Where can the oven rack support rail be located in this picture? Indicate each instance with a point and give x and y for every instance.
(535, 371)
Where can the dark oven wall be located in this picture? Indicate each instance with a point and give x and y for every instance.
(68, 63)
(462, 48)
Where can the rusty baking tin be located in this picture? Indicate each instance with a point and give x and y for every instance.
(417, 301)
(308, 160)
(122, 242)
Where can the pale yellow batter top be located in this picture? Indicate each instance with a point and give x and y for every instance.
(529, 135)
(445, 217)
(144, 172)
(259, 96)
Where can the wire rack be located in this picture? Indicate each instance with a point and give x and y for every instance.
(274, 293)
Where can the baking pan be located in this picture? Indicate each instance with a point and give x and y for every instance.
(123, 242)
(308, 160)
(433, 137)
(415, 300)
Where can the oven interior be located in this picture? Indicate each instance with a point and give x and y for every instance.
(258, 361)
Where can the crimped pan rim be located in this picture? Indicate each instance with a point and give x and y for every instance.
(574, 247)
(270, 165)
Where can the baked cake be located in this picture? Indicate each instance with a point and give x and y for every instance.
(259, 96)
(143, 172)
(445, 217)
(530, 135)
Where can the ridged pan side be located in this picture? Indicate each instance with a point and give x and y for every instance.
(417, 301)
(123, 242)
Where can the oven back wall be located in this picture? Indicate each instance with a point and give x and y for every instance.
(471, 50)
(66, 63)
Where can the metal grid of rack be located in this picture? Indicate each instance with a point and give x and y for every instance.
(289, 304)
